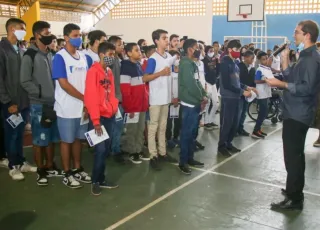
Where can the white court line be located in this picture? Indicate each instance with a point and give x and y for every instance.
(170, 193)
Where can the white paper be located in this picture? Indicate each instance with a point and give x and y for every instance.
(84, 121)
(118, 115)
(128, 120)
(174, 111)
(94, 139)
(14, 120)
(253, 96)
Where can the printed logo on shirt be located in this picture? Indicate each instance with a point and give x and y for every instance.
(77, 69)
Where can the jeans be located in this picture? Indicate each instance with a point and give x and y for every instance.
(14, 137)
(263, 113)
(2, 148)
(116, 134)
(294, 136)
(244, 104)
(229, 120)
(190, 122)
(101, 151)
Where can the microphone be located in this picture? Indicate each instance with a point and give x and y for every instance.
(281, 48)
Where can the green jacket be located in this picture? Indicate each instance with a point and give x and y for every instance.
(190, 89)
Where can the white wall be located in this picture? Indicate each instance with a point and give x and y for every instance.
(197, 27)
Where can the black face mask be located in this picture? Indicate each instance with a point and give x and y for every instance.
(46, 40)
(196, 54)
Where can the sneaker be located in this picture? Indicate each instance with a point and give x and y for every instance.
(82, 176)
(243, 133)
(185, 169)
(4, 163)
(199, 146)
(55, 171)
(208, 127)
(118, 158)
(26, 167)
(167, 158)
(108, 185)
(195, 163)
(215, 126)
(155, 164)
(134, 158)
(262, 133)
(316, 144)
(96, 189)
(144, 156)
(224, 152)
(257, 135)
(42, 179)
(70, 181)
(233, 149)
(15, 173)
(171, 144)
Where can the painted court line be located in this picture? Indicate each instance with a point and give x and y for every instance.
(170, 193)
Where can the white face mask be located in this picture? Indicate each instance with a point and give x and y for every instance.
(20, 34)
(211, 54)
(177, 62)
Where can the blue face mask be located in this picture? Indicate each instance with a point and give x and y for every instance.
(75, 42)
(300, 47)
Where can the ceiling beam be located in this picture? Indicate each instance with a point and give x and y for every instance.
(8, 3)
(63, 9)
(62, 2)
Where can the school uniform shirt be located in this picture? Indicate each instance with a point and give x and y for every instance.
(65, 66)
(264, 91)
(174, 77)
(202, 78)
(91, 56)
(160, 88)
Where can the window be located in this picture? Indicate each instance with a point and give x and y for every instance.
(58, 15)
(8, 11)
(158, 8)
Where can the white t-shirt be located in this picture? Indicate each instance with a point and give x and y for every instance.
(276, 63)
(264, 90)
(94, 56)
(75, 71)
(175, 85)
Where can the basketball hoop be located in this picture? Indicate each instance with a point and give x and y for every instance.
(243, 15)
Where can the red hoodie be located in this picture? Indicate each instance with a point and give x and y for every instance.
(99, 95)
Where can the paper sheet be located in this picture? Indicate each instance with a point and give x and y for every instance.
(253, 96)
(128, 120)
(94, 139)
(14, 120)
(119, 116)
(84, 121)
(174, 111)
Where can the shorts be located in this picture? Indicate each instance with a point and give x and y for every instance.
(42, 136)
(70, 129)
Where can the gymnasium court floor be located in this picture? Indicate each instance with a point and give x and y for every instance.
(233, 193)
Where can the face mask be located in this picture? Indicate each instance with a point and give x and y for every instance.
(177, 62)
(300, 47)
(235, 55)
(109, 60)
(196, 54)
(211, 54)
(20, 34)
(75, 42)
(46, 40)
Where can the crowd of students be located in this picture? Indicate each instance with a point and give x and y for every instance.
(169, 89)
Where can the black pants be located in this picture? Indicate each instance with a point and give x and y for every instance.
(294, 136)
(229, 121)
(176, 127)
(2, 147)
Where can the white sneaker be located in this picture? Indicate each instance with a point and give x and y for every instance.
(26, 167)
(71, 182)
(4, 163)
(16, 174)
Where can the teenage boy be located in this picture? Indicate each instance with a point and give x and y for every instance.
(231, 90)
(174, 42)
(95, 38)
(118, 128)
(247, 75)
(175, 103)
(264, 93)
(158, 74)
(36, 79)
(69, 72)
(13, 97)
(193, 99)
(102, 105)
(135, 99)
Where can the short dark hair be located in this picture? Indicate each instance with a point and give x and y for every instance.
(256, 51)
(248, 53)
(310, 27)
(202, 42)
(173, 36)
(215, 42)
(129, 46)
(147, 49)
(39, 26)
(261, 54)
(174, 52)
(141, 41)
(234, 44)
(54, 37)
(156, 35)
(32, 39)
(12, 21)
(95, 35)
(105, 46)
(206, 50)
(275, 47)
(60, 40)
(113, 39)
(69, 28)
(189, 43)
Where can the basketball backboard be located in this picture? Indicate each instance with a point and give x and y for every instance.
(245, 10)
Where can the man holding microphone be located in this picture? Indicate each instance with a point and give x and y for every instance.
(301, 85)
